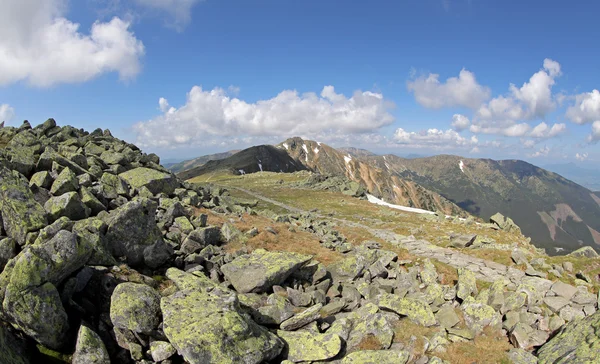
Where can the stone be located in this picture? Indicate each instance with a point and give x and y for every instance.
(8, 250)
(447, 317)
(416, 310)
(91, 201)
(302, 319)
(112, 186)
(21, 214)
(155, 181)
(369, 322)
(135, 307)
(521, 356)
(564, 290)
(568, 266)
(462, 241)
(161, 350)
(478, 315)
(504, 223)
(41, 179)
(467, 284)
(277, 310)
(260, 270)
(68, 205)
(110, 157)
(13, 350)
(183, 224)
(226, 336)
(519, 257)
(89, 348)
(133, 233)
(377, 357)
(65, 182)
(556, 303)
(577, 342)
(306, 346)
(584, 252)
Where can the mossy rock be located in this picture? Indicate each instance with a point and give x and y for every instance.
(135, 307)
(307, 346)
(155, 181)
(377, 357)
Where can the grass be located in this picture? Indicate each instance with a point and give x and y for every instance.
(405, 328)
(490, 347)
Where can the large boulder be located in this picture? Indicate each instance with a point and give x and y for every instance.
(577, 342)
(260, 270)
(21, 214)
(65, 182)
(504, 223)
(89, 348)
(307, 346)
(13, 350)
(155, 181)
(135, 307)
(225, 336)
(416, 310)
(133, 233)
(69, 205)
(31, 301)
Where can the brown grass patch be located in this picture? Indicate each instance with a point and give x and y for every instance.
(447, 273)
(370, 342)
(488, 348)
(405, 328)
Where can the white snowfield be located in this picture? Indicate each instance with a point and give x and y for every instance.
(375, 200)
(347, 159)
(287, 147)
(462, 166)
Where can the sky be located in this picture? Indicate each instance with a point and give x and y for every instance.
(182, 78)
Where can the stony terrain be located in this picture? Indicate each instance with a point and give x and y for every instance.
(108, 257)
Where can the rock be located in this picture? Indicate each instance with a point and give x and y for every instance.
(467, 284)
(8, 250)
(112, 186)
(68, 205)
(416, 310)
(447, 317)
(568, 266)
(505, 223)
(110, 157)
(41, 179)
(277, 310)
(260, 270)
(91, 201)
(377, 357)
(462, 241)
(577, 342)
(519, 257)
(155, 181)
(225, 337)
(13, 350)
(89, 348)
(65, 182)
(303, 318)
(525, 337)
(135, 307)
(200, 238)
(20, 212)
(133, 233)
(521, 356)
(161, 350)
(307, 346)
(584, 252)
(370, 322)
(428, 274)
(478, 315)
(564, 290)
(556, 303)
(231, 234)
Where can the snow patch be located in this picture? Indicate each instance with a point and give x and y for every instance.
(319, 143)
(242, 172)
(375, 200)
(462, 166)
(316, 150)
(305, 148)
(287, 147)
(387, 165)
(384, 157)
(260, 167)
(347, 158)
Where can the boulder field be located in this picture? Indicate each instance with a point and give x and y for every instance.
(106, 257)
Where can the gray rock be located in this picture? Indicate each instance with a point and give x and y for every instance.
(89, 348)
(68, 205)
(564, 290)
(155, 181)
(161, 350)
(584, 252)
(135, 307)
(521, 356)
(13, 350)
(306, 346)
(8, 250)
(467, 284)
(65, 182)
(303, 318)
(41, 179)
(556, 303)
(447, 317)
(462, 241)
(577, 342)
(377, 357)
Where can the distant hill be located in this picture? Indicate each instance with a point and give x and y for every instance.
(197, 162)
(587, 177)
(356, 152)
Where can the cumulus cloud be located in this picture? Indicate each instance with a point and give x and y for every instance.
(586, 108)
(581, 156)
(460, 122)
(179, 11)
(6, 112)
(456, 91)
(543, 152)
(533, 100)
(216, 113)
(434, 139)
(40, 46)
(542, 130)
(594, 137)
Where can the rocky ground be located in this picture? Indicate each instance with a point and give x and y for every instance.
(108, 257)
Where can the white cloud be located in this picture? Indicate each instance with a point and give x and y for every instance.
(543, 152)
(586, 108)
(460, 122)
(456, 91)
(594, 137)
(529, 143)
(542, 130)
(40, 46)
(581, 156)
(434, 139)
(179, 11)
(163, 104)
(533, 100)
(215, 113)
(6, 112)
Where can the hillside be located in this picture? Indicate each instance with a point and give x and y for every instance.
(106, 257)
(197, 162)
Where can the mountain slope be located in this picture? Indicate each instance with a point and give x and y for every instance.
(197, 162)
(555, 212)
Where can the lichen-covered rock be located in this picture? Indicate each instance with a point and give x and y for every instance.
(377, 357)
(89, 348)
(12, 349)
(133, 233)
(521, 356)
(467, 283)
(161, 350)
(370, 322)
(20, 212)
(41, 179)
(302, 318)
(112, 186)
(68, 205)
(65, 182)
(428, 274)
(277, 310)
(93, 231)
(155, 181)
(307, 346)
(8, 250)
(416, 310)
(577, 342)
(504, 223)
(225, 336)
(584, 252)
(91, 201)
(479, 315)
(135, 307)
(260, 270)
(447, 317)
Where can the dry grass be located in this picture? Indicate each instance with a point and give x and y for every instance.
(448, 275)
(488, 348)
(405, 328)
(370, 342)
(495, 255)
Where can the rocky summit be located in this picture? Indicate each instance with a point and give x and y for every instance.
(107, 257)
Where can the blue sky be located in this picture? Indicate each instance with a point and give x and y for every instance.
(189, 77)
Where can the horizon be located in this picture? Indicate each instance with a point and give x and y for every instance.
(185, 78)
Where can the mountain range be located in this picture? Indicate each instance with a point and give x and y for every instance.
(558, 214)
